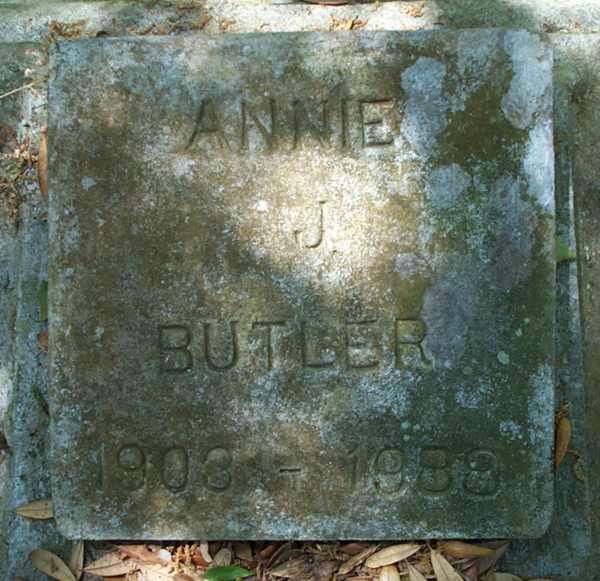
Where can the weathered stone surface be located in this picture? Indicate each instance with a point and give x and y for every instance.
(30, 20)
(566, 550)
(335, 324)
(23, 361)
(579, 74)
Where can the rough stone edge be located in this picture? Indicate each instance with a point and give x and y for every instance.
(26, 420)
(568, 542)
(30, 21)
(578, 57)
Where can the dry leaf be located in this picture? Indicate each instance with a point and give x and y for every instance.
(355, 561)
(42, 340)
(76, 559)
(391, 555)
(471, 573)
(268, 551)
(38, 510)
(353, 548)
(294, 569)
(43, 165)
(223, 558)
(51, 565)
(226, 25)
(198, 559)
(111, 565)
(389, 573)
(563, 438)
(187, 577)
(143, 553)
(155, 572)
(323, 570)
(205, 552)
(489, 561)
(414, 574)
(283, 553)
(243, 551)
(443, 570)
(462, 550)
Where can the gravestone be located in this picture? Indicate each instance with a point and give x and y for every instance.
(302, 286)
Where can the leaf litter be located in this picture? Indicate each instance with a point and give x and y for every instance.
(36, 510)
(274, 561)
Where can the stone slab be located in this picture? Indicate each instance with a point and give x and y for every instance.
(302, 286)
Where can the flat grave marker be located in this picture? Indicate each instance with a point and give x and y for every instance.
(302, 285)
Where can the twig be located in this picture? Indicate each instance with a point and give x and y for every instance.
(27, 86)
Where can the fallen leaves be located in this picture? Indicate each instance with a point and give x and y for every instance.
(414, 574)
(293, 569)
(391, 555)
(223, 557)
(243, 551)
(143, 553)
(462, 550)
(485, 564)
(356, 560)
(353, 23)
(76, 559)
(75, 29)
(111, 565)
(16, 163)
(451, 560)
(42, 340)
(443, 570)
(36, 510)
(51, 565)
(226, 25)
(389, 573)
(563, 439)
(415, 10)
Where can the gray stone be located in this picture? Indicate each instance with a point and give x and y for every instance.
(24, 473)
(29, 20)
(236, 348)
(569, 549)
